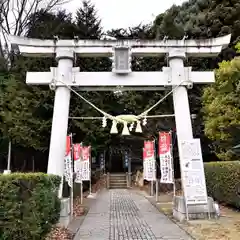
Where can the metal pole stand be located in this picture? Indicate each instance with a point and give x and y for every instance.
(157, 182)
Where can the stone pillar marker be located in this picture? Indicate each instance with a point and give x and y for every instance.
(60, 114)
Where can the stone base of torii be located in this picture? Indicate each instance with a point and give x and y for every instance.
(121, 51)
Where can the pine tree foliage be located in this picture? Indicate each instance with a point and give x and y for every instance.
(87, 21)
(46, 25)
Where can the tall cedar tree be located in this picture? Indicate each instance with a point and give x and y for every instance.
(87, 21)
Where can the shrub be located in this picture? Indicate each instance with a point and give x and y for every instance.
(29, 205)
(223, 181)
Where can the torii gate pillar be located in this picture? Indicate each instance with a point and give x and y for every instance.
(60, 114)
(180, 96)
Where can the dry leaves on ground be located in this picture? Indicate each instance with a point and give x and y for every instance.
(100, 184)
(225, 228)
(78, 208)
(60, 233)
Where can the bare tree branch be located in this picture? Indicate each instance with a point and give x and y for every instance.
(14, 15)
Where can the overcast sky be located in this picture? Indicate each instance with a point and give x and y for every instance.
(126, 13)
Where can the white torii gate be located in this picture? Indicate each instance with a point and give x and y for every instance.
(121, 75)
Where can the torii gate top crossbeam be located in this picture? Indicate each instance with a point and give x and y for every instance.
(141, 48)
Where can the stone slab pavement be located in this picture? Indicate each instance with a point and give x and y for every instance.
(121, 214)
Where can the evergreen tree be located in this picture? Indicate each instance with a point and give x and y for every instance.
(4, 76)
(46, 25)
(87, 21)
(28, 109)
(200, 20)
(221, 107)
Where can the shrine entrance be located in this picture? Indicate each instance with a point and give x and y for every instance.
(118, 160)
(116, 163)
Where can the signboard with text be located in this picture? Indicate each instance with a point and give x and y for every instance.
(193, 176)
(77, 162)
(82, 163)
(68, 171)
(102, 161)
(85, 163)
(165, 156)
(149, 167)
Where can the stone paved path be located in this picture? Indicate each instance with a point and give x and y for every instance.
(125, 215)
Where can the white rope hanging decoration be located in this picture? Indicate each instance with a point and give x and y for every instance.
(124, 119)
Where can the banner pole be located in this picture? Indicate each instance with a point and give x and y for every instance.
(81, 182)
(72, 166)
(104, 167)
(171, 147)
(144, 167)
(151, 190)
(81, 191)
(90, 186)
(156, 165)
(155, 172)
(90, 171)
(156, 190)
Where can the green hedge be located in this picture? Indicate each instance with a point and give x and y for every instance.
(29, 205)
(223, 181)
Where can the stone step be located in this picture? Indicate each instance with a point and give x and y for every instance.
(118, 187)
(117, 173)
(117, 177)
(117, 180)
(120, 182)
(117, 184)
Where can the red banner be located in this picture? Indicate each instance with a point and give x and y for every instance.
(68, 146)
(148, 149)
(144, 154)
(149, 171)
(85, 153)
(76, 151)
(164, 142)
